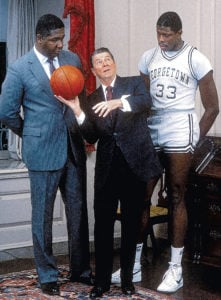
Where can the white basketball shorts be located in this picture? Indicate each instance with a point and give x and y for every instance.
(174, 132)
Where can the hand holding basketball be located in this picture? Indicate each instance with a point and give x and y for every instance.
(74, 104)
(67, 81)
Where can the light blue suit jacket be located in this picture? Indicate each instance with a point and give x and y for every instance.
(46, 123)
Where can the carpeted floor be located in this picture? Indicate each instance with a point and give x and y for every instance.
(23, 285)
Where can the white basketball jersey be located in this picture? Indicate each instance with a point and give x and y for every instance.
(174, 76)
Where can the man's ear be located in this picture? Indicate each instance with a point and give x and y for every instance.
(39, 38)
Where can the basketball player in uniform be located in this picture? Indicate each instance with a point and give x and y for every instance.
(173, 71)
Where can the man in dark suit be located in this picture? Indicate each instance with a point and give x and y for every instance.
(52, 149)
(125, 162)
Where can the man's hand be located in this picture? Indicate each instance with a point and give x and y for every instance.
(105, 107)
(74, 104)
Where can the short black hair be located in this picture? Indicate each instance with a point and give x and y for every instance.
(100, 50)
(47, 23)
(170, 19)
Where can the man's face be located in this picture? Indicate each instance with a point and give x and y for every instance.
(168, 40)
(104, 67)
(51, 45)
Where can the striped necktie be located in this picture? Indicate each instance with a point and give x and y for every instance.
(51, 65)
(109, 92)
(109, 96)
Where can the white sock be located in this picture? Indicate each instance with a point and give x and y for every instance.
(176, 255)
(138, 253)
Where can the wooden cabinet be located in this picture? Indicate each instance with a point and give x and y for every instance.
(204, 208)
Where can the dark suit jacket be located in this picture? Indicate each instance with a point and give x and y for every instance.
(46, 122)
(127, 129)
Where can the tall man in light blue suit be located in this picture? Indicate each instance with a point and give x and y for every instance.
(52, 149)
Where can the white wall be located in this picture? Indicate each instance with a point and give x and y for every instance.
(127, 28)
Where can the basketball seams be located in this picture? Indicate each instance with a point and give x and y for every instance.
(67, 81)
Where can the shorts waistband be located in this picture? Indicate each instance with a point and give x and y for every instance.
(158, 112)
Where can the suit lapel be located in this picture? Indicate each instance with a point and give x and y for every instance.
(119, 88)
(65, 59)
(99, 97)
(62, 60)
(39, 73)
(118, 91)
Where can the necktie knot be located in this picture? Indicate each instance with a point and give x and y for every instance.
(109, 92)
(51, 65)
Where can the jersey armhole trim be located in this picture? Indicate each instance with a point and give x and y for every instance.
(190, 59)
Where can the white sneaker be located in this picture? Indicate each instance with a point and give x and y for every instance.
(136, 274)
(116, 277)
(172, 279)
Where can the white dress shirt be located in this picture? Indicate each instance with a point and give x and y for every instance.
(44, 62)
(125, 103)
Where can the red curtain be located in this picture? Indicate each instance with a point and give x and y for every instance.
(82, 34)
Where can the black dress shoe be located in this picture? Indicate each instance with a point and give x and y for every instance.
(128, 289)
(50, 288)
(98, 291)
(89, 280)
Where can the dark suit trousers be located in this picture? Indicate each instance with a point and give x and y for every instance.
(44, 185)
(121, 185)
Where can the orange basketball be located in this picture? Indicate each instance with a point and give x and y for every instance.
(67, 81)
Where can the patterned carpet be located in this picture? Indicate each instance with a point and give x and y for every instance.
(23, 285)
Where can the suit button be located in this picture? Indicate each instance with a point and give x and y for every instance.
(115, 134)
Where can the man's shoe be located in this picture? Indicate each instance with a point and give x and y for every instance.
(98, 291)
(172, 279)
(128, 289)
(115, 279)
(89, 280)
(50, 288)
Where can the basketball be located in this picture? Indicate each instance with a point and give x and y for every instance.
(67, 81)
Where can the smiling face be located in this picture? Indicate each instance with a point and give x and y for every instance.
(169, 40)
(52, 44)
(104, 67)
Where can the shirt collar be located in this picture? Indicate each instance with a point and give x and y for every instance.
(43, 59)
(112, 84)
